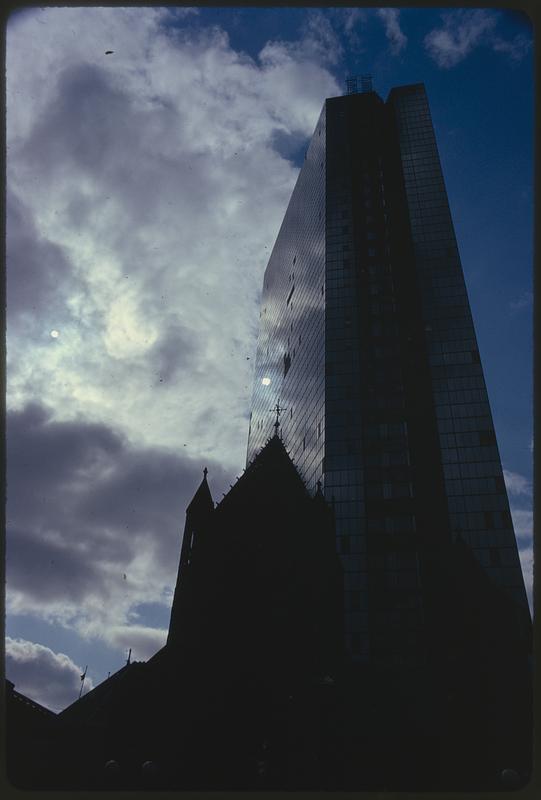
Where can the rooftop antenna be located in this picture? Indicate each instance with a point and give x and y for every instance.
(128, 661)
(278, 409)
(352, 85)
(357, 84)
(366, 83)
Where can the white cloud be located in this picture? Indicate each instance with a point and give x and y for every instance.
(94, 526)
(524, 300)
(516, 48)
(391, 19)
(148, 190)
(526, 562)
(523, 524)
(320, 41)
(127, 332)
(180, 12)
(464, 30)
(143, 641)
(461, 33)
(517, 484)
(351, 17)
(348, 21)
(51, 679)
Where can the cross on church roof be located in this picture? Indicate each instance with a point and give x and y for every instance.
(278, 409)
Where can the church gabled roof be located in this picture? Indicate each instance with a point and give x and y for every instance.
(272, 468)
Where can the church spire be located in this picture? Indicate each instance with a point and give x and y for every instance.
(278, 410)
(198, 514)
(202, 501)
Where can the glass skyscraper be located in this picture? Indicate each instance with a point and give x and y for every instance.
(367, 343)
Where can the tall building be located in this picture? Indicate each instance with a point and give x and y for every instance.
(367, 342)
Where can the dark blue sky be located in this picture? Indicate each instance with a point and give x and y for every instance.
(482, 109)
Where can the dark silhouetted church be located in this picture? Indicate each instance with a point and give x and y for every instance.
(239, 696)
(254, 689)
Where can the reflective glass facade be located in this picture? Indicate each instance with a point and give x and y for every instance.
(474, 486)
(290, 363)
(367, 341)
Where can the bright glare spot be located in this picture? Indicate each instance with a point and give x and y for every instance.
(128, 333)
(55, 334)
(265, 381)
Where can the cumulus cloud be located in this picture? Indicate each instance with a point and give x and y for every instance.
(464, 30)
(38, 273)
(350, 17)
(146, 189)
(348, 21)
(391, 20)
(516, 48)
(517, 484)
(523, 525)
(142, 640)
(461, 32)
(94, 524)
(320, 41)
(526, 562)
(51, 679)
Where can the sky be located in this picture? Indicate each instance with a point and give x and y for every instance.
(151, 154)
